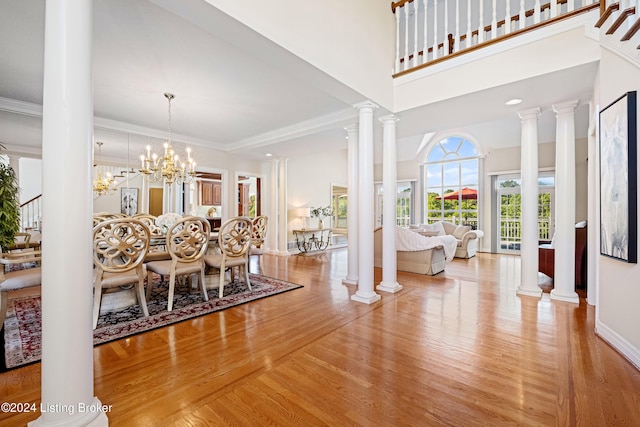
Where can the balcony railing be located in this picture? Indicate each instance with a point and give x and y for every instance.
(429, 31)
(31, 214)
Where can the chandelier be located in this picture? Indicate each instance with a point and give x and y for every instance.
(103, 185)
(168, 168)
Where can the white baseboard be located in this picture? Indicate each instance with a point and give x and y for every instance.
(623, 346)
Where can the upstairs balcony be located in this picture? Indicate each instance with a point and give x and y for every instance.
(429, 32)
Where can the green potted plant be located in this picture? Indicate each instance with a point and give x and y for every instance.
(9, 205)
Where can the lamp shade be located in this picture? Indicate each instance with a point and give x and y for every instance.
(303, 212)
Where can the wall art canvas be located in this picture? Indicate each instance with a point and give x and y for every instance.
(618, 179)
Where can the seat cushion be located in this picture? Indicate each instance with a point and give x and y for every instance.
(119, 279)
(164, 267)
(460, 231)
(215, 261)
(22, 279)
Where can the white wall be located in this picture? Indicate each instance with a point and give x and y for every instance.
(340, 38)
(309, 182)
(30, 178)
(617, 314)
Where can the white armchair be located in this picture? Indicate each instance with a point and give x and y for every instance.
(466, 237)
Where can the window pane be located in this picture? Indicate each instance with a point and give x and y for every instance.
(435, 155)
(469, 169)
(434, 175)
(467, 149)
(451, 174)
(509, 183)
(451, 145)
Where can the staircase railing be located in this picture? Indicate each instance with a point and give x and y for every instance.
(430, 31)
(31, 214)
(619, 26)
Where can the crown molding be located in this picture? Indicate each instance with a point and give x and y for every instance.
(20, 107)
(35, 110)
(298, 130)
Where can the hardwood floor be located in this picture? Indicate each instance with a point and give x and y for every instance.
(457, 349)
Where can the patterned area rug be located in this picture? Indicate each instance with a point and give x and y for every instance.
(22, 327)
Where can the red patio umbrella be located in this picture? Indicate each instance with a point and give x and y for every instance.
(467, 194)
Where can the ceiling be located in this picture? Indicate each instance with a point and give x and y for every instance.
(228, 96)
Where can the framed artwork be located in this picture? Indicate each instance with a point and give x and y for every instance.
(129, 201)
(619, 179)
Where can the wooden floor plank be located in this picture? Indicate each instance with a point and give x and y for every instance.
(459, 348)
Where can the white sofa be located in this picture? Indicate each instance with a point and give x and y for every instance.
(429, 261)
(466, 237)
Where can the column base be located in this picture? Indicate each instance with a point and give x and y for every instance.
(93, 415)
(348, 281)
(530, 292)
(367, 299)
(570, 297)
(283, 253)
(392, 287)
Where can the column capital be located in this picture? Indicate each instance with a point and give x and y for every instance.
(531, 113)
(354, 127)
(389, 118)
(565, 107)
(366, 105)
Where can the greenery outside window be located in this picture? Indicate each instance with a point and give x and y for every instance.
(452, 182)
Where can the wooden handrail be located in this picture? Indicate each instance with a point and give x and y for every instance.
(623, 17)
(632, 31)
(515, 33)
(607, 13)
(399, 4)
(31, 200)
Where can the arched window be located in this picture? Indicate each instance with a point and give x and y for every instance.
(451, 181)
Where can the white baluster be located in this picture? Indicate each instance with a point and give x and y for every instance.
(507, 18)
(494, 20)
(553, 8)
(435, 30)
(456, 40)
(481, 25)
(536, 12)
(468, 44)
(523, 16)
(405, 8)
(570, 5)
(415, 33)
(445, 38)
(425, 52)
(397, 40)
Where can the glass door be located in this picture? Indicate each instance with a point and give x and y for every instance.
(510, 211)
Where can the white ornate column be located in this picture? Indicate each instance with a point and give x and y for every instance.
(67, 133)
(365, 292)
(529, 203)
(283, 209)
(564, 280)
(352, 206)
(272, 234)
(390, 193)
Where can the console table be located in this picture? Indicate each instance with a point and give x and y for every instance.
(312, 239)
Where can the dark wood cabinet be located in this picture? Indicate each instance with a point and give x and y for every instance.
(210, 193)
(546, 255)
(215, 223)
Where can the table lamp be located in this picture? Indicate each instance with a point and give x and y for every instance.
(303, 213)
